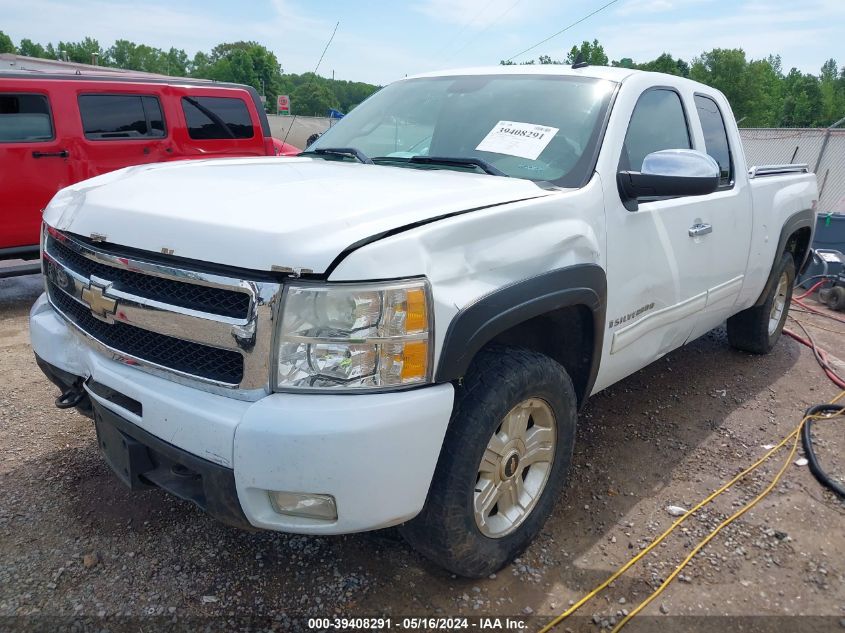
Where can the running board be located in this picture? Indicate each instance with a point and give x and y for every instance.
(22, 269)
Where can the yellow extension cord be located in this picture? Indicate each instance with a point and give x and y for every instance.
(796, 434)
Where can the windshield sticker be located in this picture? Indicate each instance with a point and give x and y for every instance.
(525, 140)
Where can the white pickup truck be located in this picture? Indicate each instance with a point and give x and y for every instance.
(398, 327)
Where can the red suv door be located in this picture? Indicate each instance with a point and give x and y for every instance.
(34, 161)
(219, 122)
(120, 127)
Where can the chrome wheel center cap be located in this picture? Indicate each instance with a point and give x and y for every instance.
(510, 465)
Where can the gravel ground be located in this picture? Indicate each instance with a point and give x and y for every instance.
(75, 544)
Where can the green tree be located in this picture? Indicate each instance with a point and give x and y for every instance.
(349, 93)
(199, 66)
(802, 103)
(766, 102)
(177, 62)
(28, 48)
(126, 54)
(6, 44)
(132, 56)
(727, 70)
(665, 63)
(313, 98)
(545, 59)
(81, 52)
(833, 92)
(592, 52)
(242, 62)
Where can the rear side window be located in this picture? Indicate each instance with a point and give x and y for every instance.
(106, 117)
(217, 118)
(715, 136)
(24, 118)
(658, 122)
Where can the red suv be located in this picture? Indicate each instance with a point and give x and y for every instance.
(56, 130)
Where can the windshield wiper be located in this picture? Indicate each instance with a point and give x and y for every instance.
(459, 162)
(354, 152)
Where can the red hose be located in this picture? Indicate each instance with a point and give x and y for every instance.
(814, 311)
(811, 290)
(821, 357)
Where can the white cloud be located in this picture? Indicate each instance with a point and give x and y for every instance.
(801, 35)
(49, 20)
(472, 15)
(296, 37)
(641, 7)
(428, 34)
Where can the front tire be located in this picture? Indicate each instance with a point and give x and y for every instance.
(503, 464)
(758, 328)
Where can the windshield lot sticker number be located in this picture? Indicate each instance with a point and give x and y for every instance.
(513, 138)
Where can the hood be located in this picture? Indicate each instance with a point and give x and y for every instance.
(258, 213)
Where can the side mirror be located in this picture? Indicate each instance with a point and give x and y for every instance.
(312, 139)
(669, 173)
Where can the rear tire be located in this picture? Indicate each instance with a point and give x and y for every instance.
(758, 328)
(503, 464)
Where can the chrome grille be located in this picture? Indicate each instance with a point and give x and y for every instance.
(186, 295)
(191, 358)
(210, 330)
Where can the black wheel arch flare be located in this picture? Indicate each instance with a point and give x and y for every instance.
(804, 219)
(481, 321)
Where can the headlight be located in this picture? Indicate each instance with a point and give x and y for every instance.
(362, 336)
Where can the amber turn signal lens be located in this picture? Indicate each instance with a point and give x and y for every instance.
(417, 315)
(414, 360)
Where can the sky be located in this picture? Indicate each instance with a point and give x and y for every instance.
(379, 41)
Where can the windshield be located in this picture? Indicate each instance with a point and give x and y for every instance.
(543, 128)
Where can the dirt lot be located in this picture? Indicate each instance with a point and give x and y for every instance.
(73, 542)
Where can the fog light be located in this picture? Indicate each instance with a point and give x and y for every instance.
(301, 504)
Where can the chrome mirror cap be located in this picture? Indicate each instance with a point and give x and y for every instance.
(685, 163)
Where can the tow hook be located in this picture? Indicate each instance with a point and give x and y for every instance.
(72, 397)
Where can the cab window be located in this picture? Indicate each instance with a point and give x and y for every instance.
(715, 136)
(658, 122)
(24, 118)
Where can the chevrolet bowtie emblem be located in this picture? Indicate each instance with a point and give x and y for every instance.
(100, 304)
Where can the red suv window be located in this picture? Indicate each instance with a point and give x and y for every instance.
(121, 116)
(24, 118)
(217, 118)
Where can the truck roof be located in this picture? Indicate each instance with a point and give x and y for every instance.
(609, 73)
(598, 72)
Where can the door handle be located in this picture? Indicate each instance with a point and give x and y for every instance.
(697, 230)
(60, 154)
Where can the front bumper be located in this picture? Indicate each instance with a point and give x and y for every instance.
(141, 460)
(374, 453)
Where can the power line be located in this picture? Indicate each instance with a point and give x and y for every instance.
(468, 24)
(589, 15)
(484, 30)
